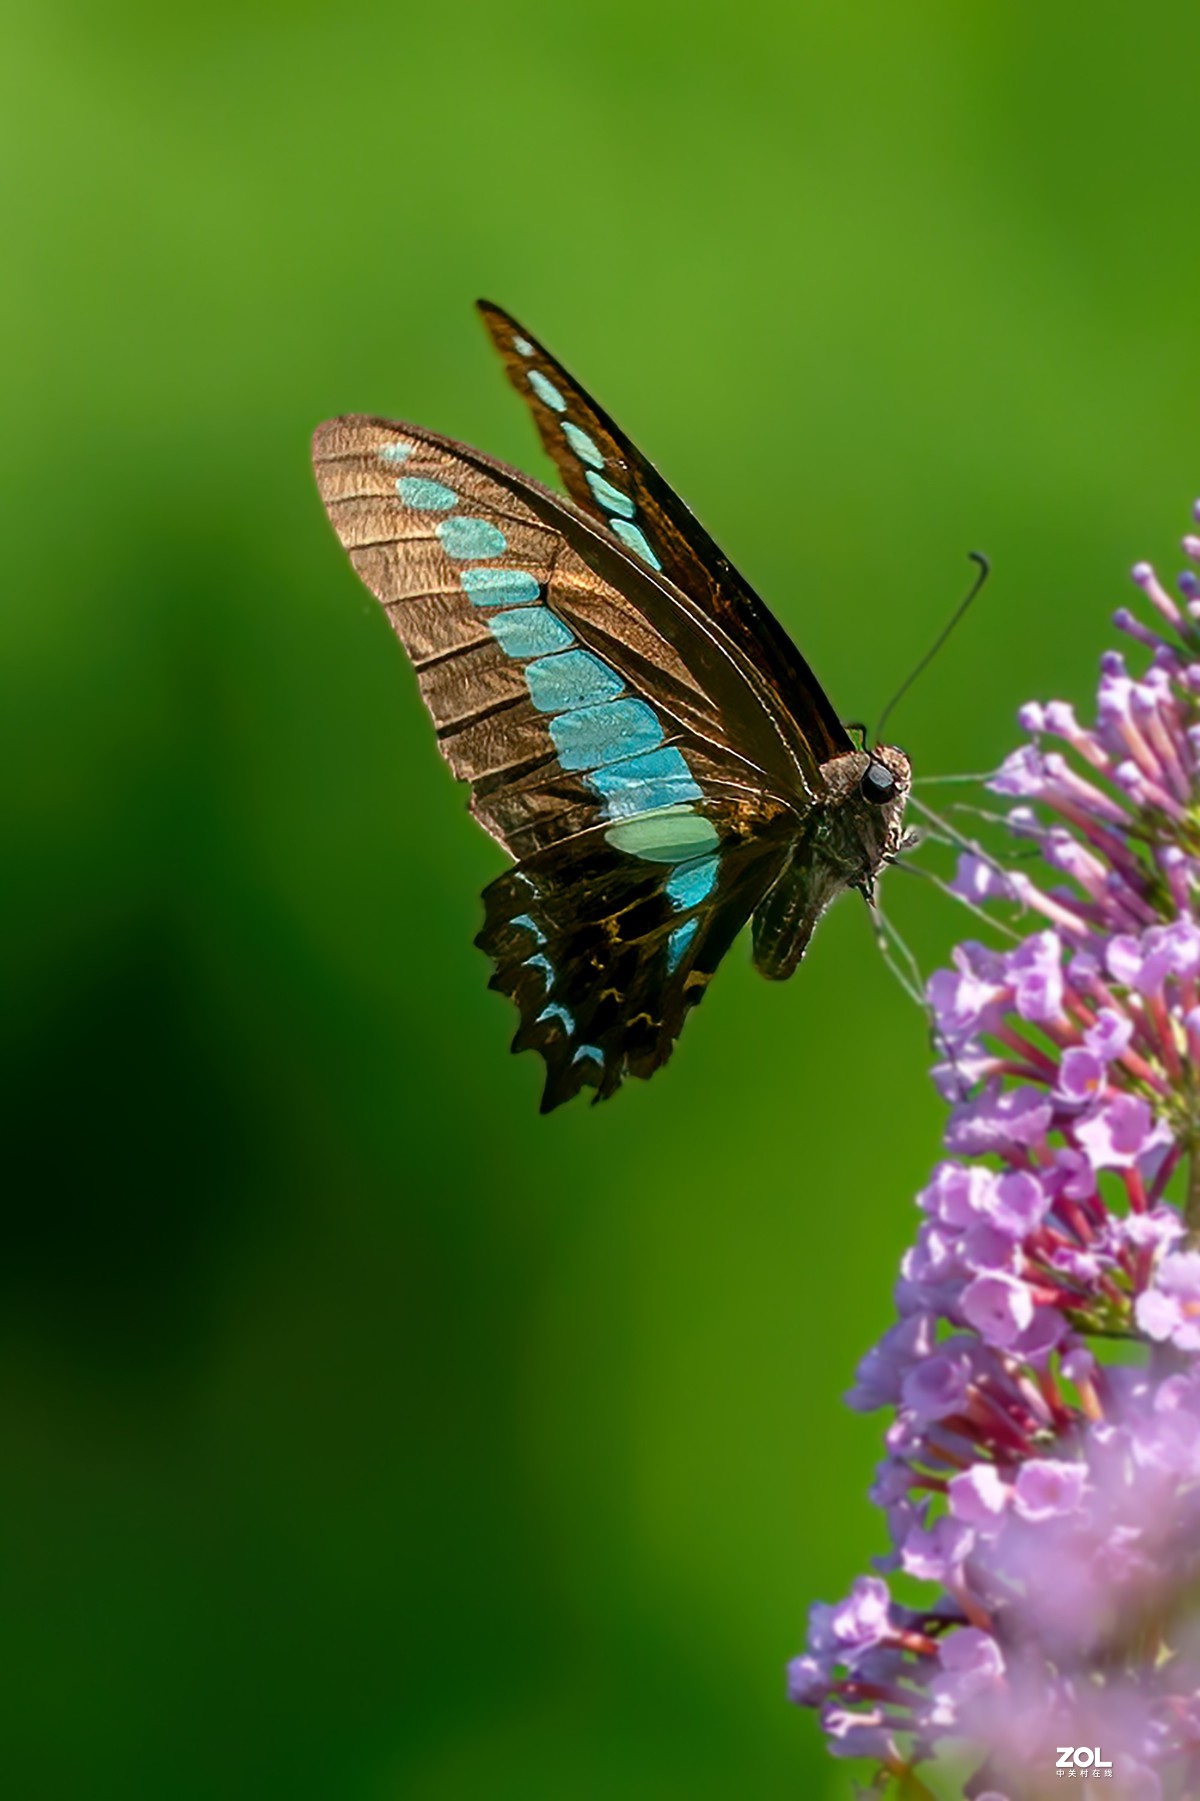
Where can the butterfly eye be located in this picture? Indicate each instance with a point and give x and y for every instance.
(878, 784)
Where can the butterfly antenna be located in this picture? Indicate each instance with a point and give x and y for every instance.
(985, 569)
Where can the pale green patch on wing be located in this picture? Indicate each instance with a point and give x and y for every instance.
(668, 835)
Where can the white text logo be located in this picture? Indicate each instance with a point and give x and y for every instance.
(1082, 1761)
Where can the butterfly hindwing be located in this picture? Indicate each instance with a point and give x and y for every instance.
(609, 478)
(604, 956)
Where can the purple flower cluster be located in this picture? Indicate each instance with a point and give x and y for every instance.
(1042, 1468)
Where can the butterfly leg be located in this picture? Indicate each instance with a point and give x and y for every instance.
(949, 834)
(903, 964)
(898, 957)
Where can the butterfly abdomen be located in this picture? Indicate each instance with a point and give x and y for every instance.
(785, 920)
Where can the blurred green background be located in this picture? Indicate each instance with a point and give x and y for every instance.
(365, 1435)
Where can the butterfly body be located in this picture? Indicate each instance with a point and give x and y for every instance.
(842, 843)
(638, 732)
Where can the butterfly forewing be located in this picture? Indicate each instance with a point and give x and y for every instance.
(609, 478)
(514, 610)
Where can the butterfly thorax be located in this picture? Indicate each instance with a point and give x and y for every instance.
(843, 842)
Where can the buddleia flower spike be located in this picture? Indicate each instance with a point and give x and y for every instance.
(1041, 1479)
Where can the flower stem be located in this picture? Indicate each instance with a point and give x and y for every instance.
(1191, 1211)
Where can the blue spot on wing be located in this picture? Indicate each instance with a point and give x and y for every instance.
(528, 924)
(546, 391)
(499, 587)
(529, 632)
(678, 942)
(660, 778)
(585, 448)
(589, 1051)
(554, 1011)
(692, 883)
(595, 735)
(544, 965)
(468, 538)
(396, 452)
(634, 540)
(610, 498)
(424, 496)
(522, 346)
(571, 680)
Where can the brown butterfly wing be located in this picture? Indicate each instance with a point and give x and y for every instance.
(451, 542)
(607, 476)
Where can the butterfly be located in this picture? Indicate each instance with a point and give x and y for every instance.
(638, 732)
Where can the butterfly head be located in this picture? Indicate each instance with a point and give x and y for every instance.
(882, 790)
(864, 818)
